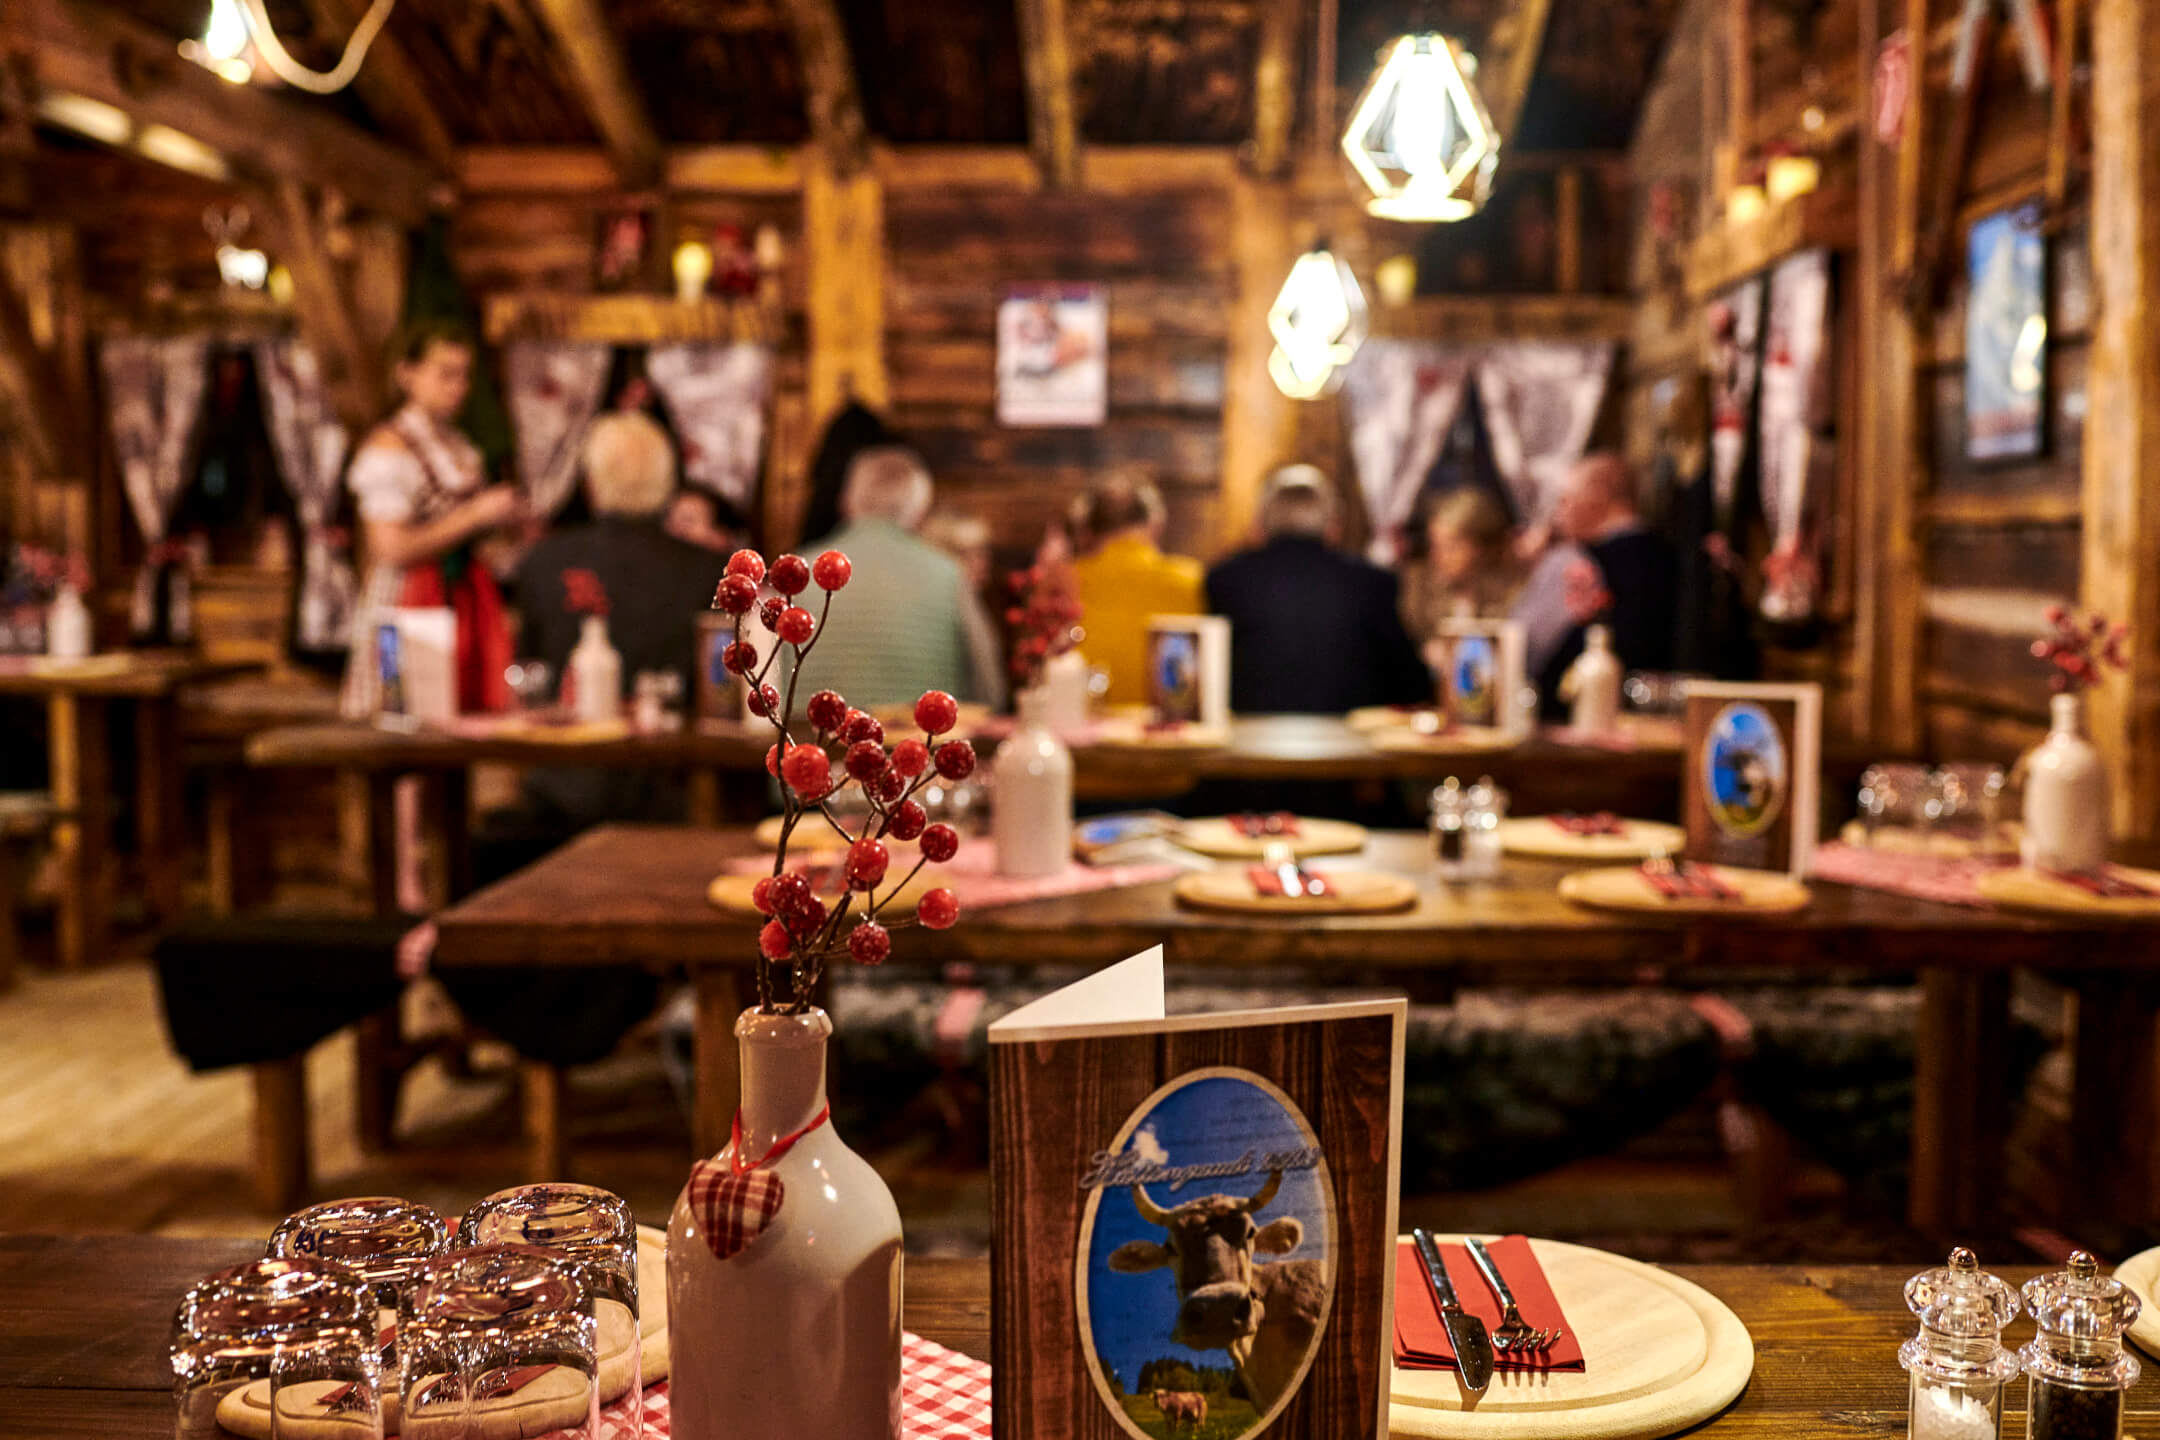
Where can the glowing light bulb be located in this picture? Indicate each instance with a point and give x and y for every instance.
(1420, 137)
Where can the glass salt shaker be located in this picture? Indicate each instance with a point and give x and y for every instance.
(1450, 828)
(1486, 808)
(2078, 1363)
(1958, 1363)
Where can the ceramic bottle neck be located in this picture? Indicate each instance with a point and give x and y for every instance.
(783, 1074)
(2068, 715)
(1034, 707)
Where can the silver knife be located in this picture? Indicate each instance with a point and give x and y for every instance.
(1473, 1347)
(1284, 862)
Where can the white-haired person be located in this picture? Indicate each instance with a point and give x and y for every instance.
(906, 626)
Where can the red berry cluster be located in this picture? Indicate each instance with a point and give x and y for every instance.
(583, 594)
(847, 746)
(2079, 648)
(1044, 619)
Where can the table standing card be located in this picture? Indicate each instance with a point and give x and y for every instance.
(1189, 669)
(418, 667)
(1753, 758)
(717, 694)
(1483, 682)
(1193, 1217)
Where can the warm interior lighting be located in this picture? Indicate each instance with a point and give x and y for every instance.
(1791, 176)
(2027, 355)
(243, 269)
(1318, 322)
(1396, 280)
(168, 146)
(1746, 203)
(106, 124)
(693, 262)
(223, 48)
(1420, 137)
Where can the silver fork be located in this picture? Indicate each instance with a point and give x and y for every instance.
(1514, 1335)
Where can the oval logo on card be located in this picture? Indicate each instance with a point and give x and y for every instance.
(1206, 1265)
(1744, 770)
(1473, 679)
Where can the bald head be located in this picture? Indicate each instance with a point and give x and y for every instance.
(889, 482)
(1599, 497)
(1297, 502)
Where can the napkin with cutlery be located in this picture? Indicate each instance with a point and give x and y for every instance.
(1267, 881)
(1602, 822)
(1421, 1340)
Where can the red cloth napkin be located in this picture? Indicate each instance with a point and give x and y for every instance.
(1421, 1341)
(1257, 827)
(1266, 882)
(1604, 822)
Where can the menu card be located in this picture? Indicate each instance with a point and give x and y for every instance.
(1193, 1217)
(1189, 669)
(1482, 681)
(1753, 757)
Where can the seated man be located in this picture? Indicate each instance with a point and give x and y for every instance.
(906, 625)
(1629, 582)
(1312, 630)
(1126, 578)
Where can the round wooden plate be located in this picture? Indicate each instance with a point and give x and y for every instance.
(1129, 732)
(1638, 840)
(1371, 719)
(1624, 887)
(2020, 889)
(1224, 841)
(1462, 740)
(731, 893)
(812, 832)
(1904, 840)
(1659, 1354)
(1357, 892)
(2141, 1272)
(246, 1411)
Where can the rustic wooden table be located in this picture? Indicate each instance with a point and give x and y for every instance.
(635, 895)
(83, 1337)
(76, 697)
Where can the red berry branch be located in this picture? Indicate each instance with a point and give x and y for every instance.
(803, 930)
(2079, 648)
(583, 594)
(1043, 618)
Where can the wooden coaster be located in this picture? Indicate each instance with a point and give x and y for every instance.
(2141, 1272)
(1537, 835)
(1659, 1354)
(1224, 841)
(1357, 892)
(1462, 740)
(246, 1411)
(731, 893)
(1625, 887)
(2017, 888)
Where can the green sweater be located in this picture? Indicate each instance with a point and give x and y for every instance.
(898, 629)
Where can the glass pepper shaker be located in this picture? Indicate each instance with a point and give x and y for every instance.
(2077, 1361)
(1958, 1362)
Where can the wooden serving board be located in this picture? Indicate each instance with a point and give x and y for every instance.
(2141, 1272)
(1462, 740)
(1224, 841)
(2017, 888)
(539, 1408)
(1356, 892)
(731, 893)
(1638, 840)
(1659, 1354)
(1624, 887)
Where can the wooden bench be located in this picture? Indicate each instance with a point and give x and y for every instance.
(25, 817)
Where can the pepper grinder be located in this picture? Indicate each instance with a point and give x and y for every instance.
(2077, 1361)
(1957, 1361)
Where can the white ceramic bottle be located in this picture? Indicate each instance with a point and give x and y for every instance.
(67, 626)
(798, 1333)
(1593, 684)
(1031, 803)
(2066, 795)
(595, 673)
(1065, 681)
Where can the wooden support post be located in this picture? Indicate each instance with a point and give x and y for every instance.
(377, 1071)
(1525, 26)
(1959, 1099)
(844, 254)
(604, 83)
(220, 851)
(82, 793)
(160, 797)
(1901, 476)
(351, 369)
(547, 1149)
(717, 1057)
(835, 103)
(1053, 119)
(382, 842)
(281, 1133)
(2115, 1084)
(2122, 504)
(1259, 421)
(1275, 86)
(1568, 220)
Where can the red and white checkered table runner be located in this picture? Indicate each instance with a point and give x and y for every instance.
(944, 1395)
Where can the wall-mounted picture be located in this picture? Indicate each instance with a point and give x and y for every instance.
(1053, 345)
(2006, 336)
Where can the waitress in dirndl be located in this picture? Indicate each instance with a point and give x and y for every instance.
(424, 500)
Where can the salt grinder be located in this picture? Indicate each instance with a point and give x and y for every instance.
(2078, 1363)
(1958, 1362)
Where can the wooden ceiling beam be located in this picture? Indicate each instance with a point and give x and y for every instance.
(1505, 101)
(397, 94)
(328, 319)
(1046, 54)
(80, 48)
(836, 112)
(596, 65)
(1275, 85)
(26, 376)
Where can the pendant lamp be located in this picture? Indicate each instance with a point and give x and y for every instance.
(1318, 321)
(1420, 137)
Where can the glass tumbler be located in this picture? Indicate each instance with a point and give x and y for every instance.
(295, 1338)
(594, 1234)
(1897, 795)
(1968, 804)
(387, 1241)
(498, 1340)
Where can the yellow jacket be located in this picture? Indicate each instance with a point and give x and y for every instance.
(1122, 583)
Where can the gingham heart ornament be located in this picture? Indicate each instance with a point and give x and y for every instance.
(735, 1199)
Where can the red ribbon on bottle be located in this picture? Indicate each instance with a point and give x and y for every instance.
(735, 1202)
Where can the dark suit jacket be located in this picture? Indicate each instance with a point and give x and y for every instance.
(1642, 576)
(1313, 631)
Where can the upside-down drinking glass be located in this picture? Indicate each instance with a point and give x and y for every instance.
(387, 1241)
(294, 1338)
(498, 1340)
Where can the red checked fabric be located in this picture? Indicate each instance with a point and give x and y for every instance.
(733, 1210)
(944, 1395)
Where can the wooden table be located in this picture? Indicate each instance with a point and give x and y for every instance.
(83, 1338)
(635, 896)
(76, 697)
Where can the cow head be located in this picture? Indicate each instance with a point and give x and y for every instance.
(1209, 1244)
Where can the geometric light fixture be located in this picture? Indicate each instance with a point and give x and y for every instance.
(1318, 322)
(239, 33)
(1420, 137)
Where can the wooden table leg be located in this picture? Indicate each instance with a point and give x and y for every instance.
(382, 842)
(701, 798)
(160, 802)
(1960, 1100)
(10, 926)
(377, 1070)
(2112, 1100)
(81, 790)
(719, 1063)
(454, 826)
(547, 1147)
(281, 1133)
(218, 834)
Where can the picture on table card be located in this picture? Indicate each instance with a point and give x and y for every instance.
(1205, 1268)
(1484, 672)
(717, 695)
(1188, 671)
(1752, 754)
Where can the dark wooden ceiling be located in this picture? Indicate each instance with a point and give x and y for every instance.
(1146, 71)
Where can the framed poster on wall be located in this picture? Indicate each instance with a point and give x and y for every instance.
(1053, 344)
(2006, 336)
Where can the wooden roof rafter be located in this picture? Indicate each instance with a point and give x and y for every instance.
(1526, 21)
(397, 95)
(1053, 114)
(834, 98)
(580, 30)
(1275, 85)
